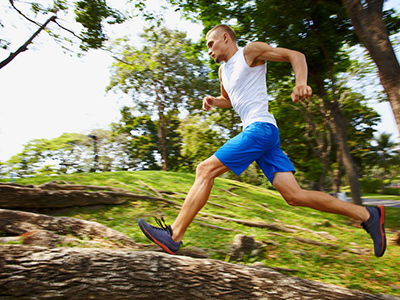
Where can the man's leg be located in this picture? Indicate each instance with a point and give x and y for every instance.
(198, 195)
(373, 218)
(169, 238)
(288, 187)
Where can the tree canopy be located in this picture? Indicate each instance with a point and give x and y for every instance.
(164, 78)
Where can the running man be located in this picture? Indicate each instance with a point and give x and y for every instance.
(243, 87)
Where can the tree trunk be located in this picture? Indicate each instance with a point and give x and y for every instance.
(323, 137)
(370, 28)
(66, 273)
(162, 135)
(340, 127)
(336, 178)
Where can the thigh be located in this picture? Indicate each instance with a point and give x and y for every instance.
(275, 161)
(285, 183)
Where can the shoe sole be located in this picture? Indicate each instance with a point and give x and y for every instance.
(148, 235)
(381, 227)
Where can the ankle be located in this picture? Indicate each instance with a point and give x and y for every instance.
(366, 215)
(176, 237)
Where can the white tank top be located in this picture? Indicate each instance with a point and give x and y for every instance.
(247, 89)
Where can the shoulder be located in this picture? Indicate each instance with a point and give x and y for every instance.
(255, 48)
(254, 53)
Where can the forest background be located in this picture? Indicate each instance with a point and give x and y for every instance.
(157, 82)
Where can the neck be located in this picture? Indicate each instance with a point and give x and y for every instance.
(231, 52)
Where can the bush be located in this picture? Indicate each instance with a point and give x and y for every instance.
(370, 185)
(391, 191)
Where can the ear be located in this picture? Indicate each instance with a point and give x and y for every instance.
(225, 37)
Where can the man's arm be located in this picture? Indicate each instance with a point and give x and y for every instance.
(222, 101)
(258, 53)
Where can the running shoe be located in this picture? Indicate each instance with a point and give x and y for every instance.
(375, 226)
(162, 235)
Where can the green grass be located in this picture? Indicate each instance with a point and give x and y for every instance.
(321, 263)
(380, 196)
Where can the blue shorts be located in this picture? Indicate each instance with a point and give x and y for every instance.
(257, 142)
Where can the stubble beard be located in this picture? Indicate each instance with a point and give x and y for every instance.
(219, 59)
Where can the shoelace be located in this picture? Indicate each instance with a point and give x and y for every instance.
(163, 225)
(161, 222)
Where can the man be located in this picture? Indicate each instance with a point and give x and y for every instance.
(243, 87)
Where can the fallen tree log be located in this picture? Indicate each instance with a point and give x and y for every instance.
(67, 273)
(16, 196)
(20, 222)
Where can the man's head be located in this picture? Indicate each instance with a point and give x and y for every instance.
(220, 40)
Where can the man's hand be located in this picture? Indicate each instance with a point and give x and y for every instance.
(208, 103)
(301, 92)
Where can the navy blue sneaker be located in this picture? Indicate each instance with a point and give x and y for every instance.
(375, 226)
(161, 236)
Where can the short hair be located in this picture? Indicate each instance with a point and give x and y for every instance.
(224, 28)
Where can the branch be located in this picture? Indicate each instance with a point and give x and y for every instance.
(259, 224)
(24, 47)
(68, 30)
(23, 15)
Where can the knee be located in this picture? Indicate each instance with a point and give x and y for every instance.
(294, 198)
(205, 170)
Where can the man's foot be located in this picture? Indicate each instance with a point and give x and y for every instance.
(161, 236)
(375, 226)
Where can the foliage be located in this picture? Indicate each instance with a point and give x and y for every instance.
(58, 155)
(69, 153)
(200, 140)
(307, 136)
(91, 14)
(140, 140)
(164, 70)
(391, 191)
(164, 78)
(383, 158)
(370, 185)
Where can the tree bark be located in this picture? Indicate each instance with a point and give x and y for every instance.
(65, 273)
(19, 223)
(14, 196)
(370, 28)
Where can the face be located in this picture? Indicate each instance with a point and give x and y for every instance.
(216, 46)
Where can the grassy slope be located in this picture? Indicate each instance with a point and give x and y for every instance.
(364, 272)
